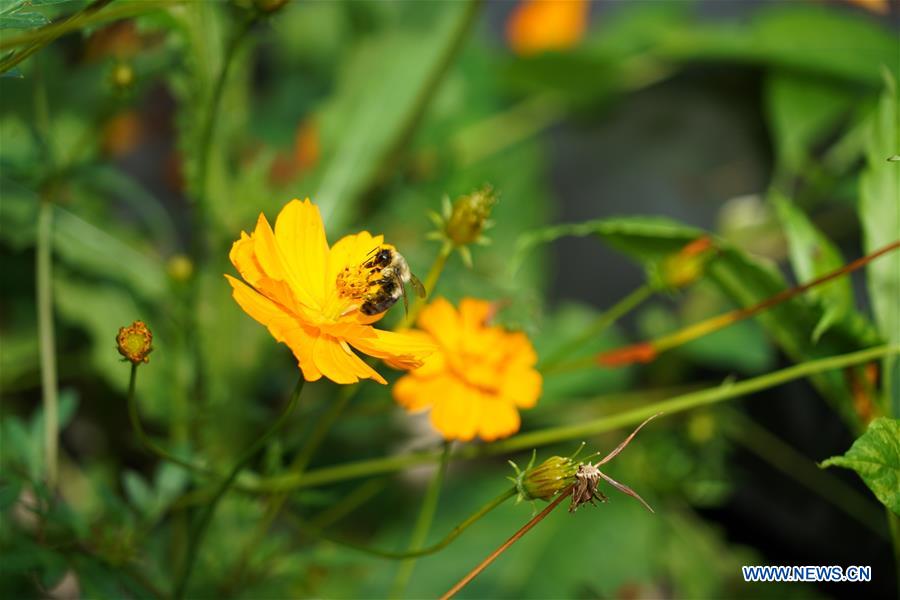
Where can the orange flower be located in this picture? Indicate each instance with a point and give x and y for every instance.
(539, 25)
(479, 377)
(309, 295)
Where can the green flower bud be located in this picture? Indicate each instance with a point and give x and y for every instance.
(546, 480)
(469, 216)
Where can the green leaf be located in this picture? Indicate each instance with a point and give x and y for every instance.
(825, 41)
(813, 255)
(879, 212)
(23, 20)
(801, 111)
(382, 94)
(875, 456)
(745, 279)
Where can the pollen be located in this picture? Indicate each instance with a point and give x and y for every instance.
(354, 282)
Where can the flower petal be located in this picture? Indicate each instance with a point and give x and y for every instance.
(301, 237)
(441, 320)
(522, 387)
(499, 419)
(457, 412)
(401, 350)
(417, 393)
(283, 325)
(338, 363)
(271, 259)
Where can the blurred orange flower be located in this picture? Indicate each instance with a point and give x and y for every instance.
(881, 7)
(539, 25)
(309, 295)
(479, 377)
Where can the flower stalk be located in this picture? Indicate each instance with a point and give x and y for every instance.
(49, 391)
(645, 352)
(423, 523)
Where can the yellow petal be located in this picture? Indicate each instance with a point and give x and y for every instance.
(272, 261)
(401, 350)
(339, 364)
(283, 325)
(243, 257)
(301, 238)
(474, 314)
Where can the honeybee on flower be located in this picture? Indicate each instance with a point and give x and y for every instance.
(321, 300)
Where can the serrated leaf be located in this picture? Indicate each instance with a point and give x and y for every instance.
(879, 212)
(875, 456)
(813, 255)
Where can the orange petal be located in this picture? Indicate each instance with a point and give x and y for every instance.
(271, 259)
(499, 419)
(474, 313)
(418, 393)
(457, 412)
(539, 25)
(441, 320)
(243, 257)
(301, 238)
(522, 387)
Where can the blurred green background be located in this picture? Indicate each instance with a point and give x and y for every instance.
(152, 132)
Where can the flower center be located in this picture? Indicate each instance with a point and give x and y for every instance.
(354, 282)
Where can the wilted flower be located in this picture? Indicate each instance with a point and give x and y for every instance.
(309, 296)
(479, 377)
(539, 25)
(135, 342)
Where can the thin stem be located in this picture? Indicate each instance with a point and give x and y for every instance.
(600, 324)
(316, 532)
(49, 392)
(646, 351)
(430, 283)
(423, 524)
(148, 443)
(684, 402)
(789, 461)
(202, 522)
(299, 464)
(515, 537)
(50, 32)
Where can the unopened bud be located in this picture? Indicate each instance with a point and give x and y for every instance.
(546, 480)
(135, 342)
(469, 216)
(688, 264)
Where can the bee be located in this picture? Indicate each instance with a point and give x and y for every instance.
(391, 274)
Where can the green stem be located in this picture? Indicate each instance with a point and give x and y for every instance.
(789, 461)
(423, 523)
(621, 308)
(316, 532)
(299, 464)
(684, 402)
(148, 443)
(50, 33)
(430, 283)
(202, 522)
(49, 392)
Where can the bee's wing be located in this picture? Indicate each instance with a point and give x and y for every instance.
(417, 285)
(405, 297)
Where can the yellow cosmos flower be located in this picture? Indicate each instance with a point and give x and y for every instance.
(536, 26)
(309, 295)
(478, 378)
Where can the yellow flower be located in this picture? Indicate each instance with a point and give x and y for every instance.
(478, 378)
(536, 26)
(309, 295)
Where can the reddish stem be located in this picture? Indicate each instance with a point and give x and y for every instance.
(493, 555)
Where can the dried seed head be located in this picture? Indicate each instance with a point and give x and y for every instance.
(135, 342)
(587, 478)
(546, 480)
